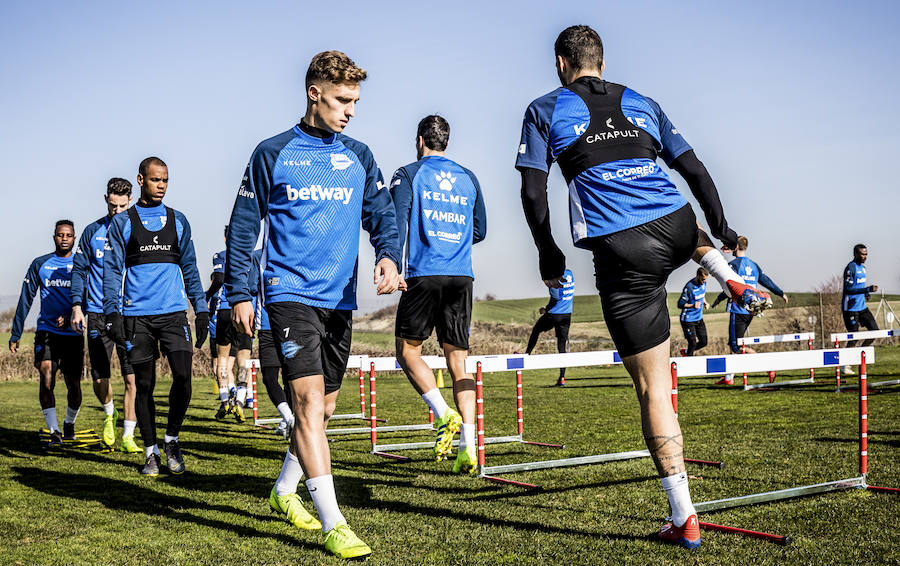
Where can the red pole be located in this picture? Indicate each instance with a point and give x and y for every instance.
(837, 370)
(863, 417)
(253, 392)
(744, 351)
(812, 372)
(479, 408)
(777, 539)
(362, 391)
(373, 421)
(675, 388)
(520, 422)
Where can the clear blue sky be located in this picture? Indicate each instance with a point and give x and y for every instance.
(793, 108)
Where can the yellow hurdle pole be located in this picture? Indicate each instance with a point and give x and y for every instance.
(440, 378)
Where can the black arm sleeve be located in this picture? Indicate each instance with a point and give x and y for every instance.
(218, 279)
(704, 190)
(551, 260)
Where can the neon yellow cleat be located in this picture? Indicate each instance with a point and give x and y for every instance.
(129, 446)
(291, 506)
(343, 542)
(466, 462)
(447, 427)
(109, 428)
(238, 412)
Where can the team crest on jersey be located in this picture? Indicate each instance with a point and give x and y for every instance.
(339, 162)
(445, 181)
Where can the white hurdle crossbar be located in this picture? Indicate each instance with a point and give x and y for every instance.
(808, 337)
(838, 337)
(681, 367)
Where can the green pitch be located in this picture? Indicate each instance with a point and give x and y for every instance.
(82, 506)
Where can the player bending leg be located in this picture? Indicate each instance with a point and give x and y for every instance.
(625, 209)
(558, 316)
(439, 279)
(153, 253)
(56, 344)
(87, 301)
(313, 186)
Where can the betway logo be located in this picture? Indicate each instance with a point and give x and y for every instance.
(242, 192)
(57, 283)
(318, 192)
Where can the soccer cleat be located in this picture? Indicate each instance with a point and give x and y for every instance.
(285, 429)
(726, 380)
(109, 428)
(68, 432)
(223, 411)
(151, 468)
(466, 462)
(343, 542)
(174, 459)
(687, 535)
(447, 427)
(54, 440)
(848, 370)
(291, 506)
(238, 412)
(129, 446)
(752, 299)
(683, 351)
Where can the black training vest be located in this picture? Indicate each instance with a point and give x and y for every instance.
(609, 135)
(145, 246)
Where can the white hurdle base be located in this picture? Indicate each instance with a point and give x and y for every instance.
(423, 445)
(563, 462)
(789, 493)
(778, 384)
(367, 430)
(874, 385)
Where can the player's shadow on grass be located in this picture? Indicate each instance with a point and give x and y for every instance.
(16, 443)
(119, 495)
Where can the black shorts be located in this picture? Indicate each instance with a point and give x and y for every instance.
(100, 349)
(214, 349)
(146, 336)
(66, 351)
(268, 353)
(737, 327)
(436, 302)
(631, 268)
(227, 334)
(854, 319)
(311, 341)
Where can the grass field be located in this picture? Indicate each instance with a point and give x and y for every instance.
(93, 508)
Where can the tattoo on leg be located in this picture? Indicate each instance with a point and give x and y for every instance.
(670, 462)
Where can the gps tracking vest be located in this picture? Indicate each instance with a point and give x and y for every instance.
(609, 136)
(145, 246)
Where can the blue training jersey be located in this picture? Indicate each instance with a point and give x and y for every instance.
(52, 276)
(151, 288)
(752, 275)
(218, 262)
(312, 194)
(615, 181)
(561, 299)
(691, 294)
(87, 275)
(855, 290)
(440, 203)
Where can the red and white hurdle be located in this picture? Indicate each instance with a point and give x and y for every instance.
(839, 337)
(807, 337)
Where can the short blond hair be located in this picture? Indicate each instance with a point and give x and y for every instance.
(742, 243)
(333, 67)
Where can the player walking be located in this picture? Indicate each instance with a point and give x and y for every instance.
(153, 252)
(87, 302)
(312, 186)
(440, 215)
(854, 296)
(692, 302)
(557, 315)
(56, 344)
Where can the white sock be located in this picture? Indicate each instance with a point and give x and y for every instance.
(715, 263)
(50, 419)
(71, 415)
(285, 411)
(128, 428)
(109, 408)
(171, 438)
(290, 475)
(676, 488)
(435, 402)
(241, 395)
(321, 489)
(154, 449)
(729, 377)
(466, 436)
(223, 394)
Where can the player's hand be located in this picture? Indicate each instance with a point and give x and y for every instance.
(784, 298)
(542, 310)
(14, 346)
(77, 319)
(698, 305)
(242, 317)
(705, 305)
(201, 328)
(556, 282)
(60, 321)
(874, 288)
(403, 286)
(387, 278)
(115, 328)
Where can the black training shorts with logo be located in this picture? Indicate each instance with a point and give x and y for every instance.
(854, 319)
(100, 349)
(631, 268)
(436, 302)
(66, 351)
(146, 335)
(311, 341)
(227, 334)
